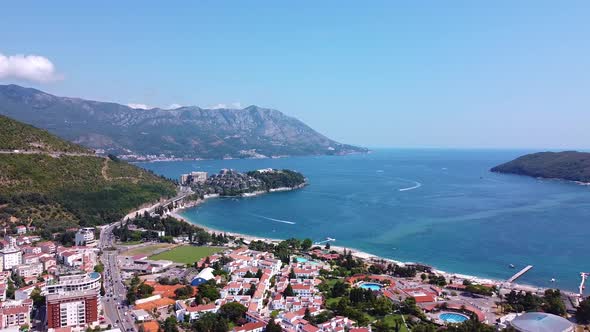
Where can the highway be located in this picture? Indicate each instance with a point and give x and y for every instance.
(114, 302)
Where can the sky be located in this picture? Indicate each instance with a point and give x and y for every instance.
(451, 74)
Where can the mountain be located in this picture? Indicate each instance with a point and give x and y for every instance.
(186, 132)
(566, 165)
(53, 184)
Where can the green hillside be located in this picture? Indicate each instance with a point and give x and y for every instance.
(566, 165)
(56, 192)
(15, 135)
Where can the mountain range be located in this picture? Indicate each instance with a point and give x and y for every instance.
(185, 132)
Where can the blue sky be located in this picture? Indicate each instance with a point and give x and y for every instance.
(501, 74)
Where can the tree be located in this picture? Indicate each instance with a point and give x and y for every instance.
(339, 289)
(170, 324)
(99, 268)
(292, 275)
(382, 306)
(306, 244)
(208, 291)
(248, 275)
(259, 274)
(210, 322)
(252, 290)
(553, 303)
(327, 246)
(583, 312)
(232, 311)
(184, 292)
(307, 315)
(288, 291)
(273, 327)
(37, 297)
(10, 290)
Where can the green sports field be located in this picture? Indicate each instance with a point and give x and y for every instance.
(186, 254)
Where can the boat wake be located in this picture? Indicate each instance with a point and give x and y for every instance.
(277, 220)
(415, 186)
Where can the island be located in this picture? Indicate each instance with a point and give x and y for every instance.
(566, 165)
(229, 182)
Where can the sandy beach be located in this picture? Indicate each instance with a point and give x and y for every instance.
(340, 249)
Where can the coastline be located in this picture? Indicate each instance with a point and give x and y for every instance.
(355, 252)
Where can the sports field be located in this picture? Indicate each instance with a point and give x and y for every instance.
(186, 254)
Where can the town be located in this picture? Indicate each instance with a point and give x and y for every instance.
(152, 272)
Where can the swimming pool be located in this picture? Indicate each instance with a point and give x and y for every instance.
(371, 285)
(301, 260)
(452, 317)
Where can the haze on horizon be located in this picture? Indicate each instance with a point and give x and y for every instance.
(380, 74)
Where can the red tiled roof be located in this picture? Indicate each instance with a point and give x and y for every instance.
(250, 326)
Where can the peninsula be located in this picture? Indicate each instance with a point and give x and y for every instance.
(229, 182)
(566, 165)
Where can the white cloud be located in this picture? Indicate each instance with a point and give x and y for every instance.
(218, 106)
(28, 67)
(235, 105)
(139, 106)
(173, 106)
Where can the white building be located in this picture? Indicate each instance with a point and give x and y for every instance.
(73, 283)
(193, 177)
(29, 270)
(85, 237)
(11, 257)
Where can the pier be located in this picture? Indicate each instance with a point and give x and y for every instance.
(519, 273)
(328, 239)
(584, 276)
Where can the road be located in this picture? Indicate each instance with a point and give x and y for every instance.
(114, 302)
(49, 153)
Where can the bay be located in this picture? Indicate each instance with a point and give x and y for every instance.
(439, 207)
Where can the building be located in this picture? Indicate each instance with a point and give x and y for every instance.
(15, 313)
(73, 283)
(21, 230)
(29, 270)
(205, 275)
(11, 256)
(73, 309)
(541, 322)
(193, 177)
(141, 315)
(85, 237)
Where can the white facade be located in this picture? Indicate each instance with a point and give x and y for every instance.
(72, 313)
(29, 270)
(85, 236)
(74, 283)
(11, 257)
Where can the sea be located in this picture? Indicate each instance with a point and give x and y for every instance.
(442, 208)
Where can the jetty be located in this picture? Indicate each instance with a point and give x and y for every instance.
(584, 276)
(519, 274)
(328, 239)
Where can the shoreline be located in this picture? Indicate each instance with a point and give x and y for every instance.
(502, 284)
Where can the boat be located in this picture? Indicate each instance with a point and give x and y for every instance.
(330, 239)
(511, 266)
(552, 279)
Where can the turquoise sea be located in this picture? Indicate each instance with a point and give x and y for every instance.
(439, 207)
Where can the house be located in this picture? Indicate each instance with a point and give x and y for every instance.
(141, 315)
(21, 230)
(250, 327)
(193, 311)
